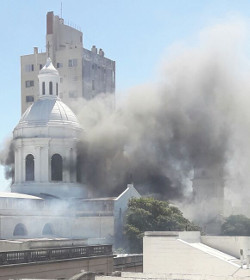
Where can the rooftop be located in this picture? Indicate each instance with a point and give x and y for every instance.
(18, 195)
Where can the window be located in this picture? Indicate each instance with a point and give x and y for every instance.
(73, 62)
(93, 85)
(47, 229)
(29, 67)
(29, 98)
(20, 230)
(29, 168)
(29, 84)
(40, 66)
(56, 167)
(79, 169)
(43, 88)
(50, 88)
(59, 65)
(56, 88)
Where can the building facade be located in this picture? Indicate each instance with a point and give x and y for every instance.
(47, 198)
(83, 73)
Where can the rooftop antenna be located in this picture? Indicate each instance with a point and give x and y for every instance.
(61, 9)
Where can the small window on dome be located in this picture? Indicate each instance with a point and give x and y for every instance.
(56, 88)
(50, 88)
(43, 88)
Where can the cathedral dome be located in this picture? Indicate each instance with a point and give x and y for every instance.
(45, 114)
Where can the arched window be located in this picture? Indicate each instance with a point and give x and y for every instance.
(47, 229)
(56, 88)
(56, 167)
(50, 88)
(29, 168)
(79, 169)
(43, 88)
(20, 230)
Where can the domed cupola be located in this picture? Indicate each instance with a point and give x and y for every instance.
(48, 116)
(48, 80)
(45, 142)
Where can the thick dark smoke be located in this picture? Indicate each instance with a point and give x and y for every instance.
(7, 158)
(163, 130)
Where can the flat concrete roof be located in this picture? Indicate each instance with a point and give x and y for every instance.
(18, 195)
(161, 233)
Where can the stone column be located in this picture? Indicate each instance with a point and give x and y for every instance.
(45, 163)
(66, 165)
(17, 165)
(38, 164)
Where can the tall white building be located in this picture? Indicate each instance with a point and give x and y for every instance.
(83, 73)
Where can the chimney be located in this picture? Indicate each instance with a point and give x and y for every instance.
(94, 49)
(50, 19)
(35, 50)
(101, 52)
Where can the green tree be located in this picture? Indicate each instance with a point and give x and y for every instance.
(236, 225)
(149, 214)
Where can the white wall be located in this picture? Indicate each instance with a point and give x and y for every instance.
(228, 244)
(94, 227)
(165, 254)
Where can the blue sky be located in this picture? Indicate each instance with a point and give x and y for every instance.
(134, 33)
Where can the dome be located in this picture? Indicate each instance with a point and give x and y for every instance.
(45, 114)
(44, 111)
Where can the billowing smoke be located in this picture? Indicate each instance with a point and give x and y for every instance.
(190, 118)
(196, 115)
(7, 158)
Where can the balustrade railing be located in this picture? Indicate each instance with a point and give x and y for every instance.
(27, 256)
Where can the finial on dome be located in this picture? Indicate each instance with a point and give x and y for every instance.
(48, 62)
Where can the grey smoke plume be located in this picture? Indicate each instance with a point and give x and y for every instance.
(195, 115)
(7, 158)
(162, 131)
